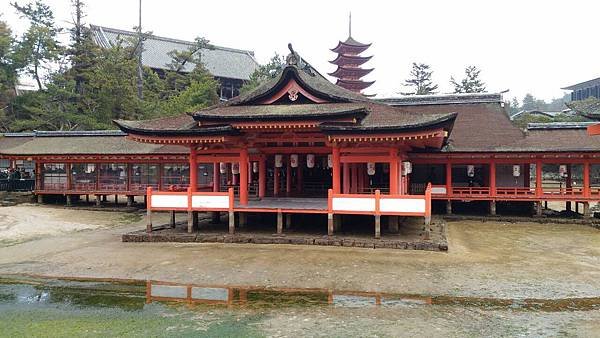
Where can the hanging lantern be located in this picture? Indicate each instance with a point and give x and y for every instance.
(406, 168)
(471, 170)
(310, 161)
(516, 170)
(562, 170)
(370, 168)
(294, 160)
(329, 161)
(278, 161)
(255, 167)
(235, 168)
(222, 167)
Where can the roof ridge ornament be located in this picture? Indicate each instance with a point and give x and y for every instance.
(294, 59)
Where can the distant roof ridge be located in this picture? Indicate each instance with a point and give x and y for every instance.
(157, 37)
(63, 133)
(559, 125)
(443, 99)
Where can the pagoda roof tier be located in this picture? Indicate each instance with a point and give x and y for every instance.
(350, 46)
(344, 71)
(354, 84)
(343, 60)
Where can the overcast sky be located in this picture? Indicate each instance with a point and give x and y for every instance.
(521, 45)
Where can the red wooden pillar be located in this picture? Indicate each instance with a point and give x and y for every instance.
(586, 179)
(538, 179)
(449, 178)
(244, 176)
(216, 176)
(288, 177)
(492, 178)
(354, 178)
(193, 168)
(262, 177)
(336, 169)
(346, 178)
(394, 172)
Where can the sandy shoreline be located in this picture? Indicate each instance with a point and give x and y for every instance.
(489, 259)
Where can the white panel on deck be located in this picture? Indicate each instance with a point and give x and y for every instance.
(400, 205)
(438, 190)
(220, 294)
(353, 204)
(210, 202)
(169, 201)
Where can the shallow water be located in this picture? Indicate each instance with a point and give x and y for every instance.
(30, 307)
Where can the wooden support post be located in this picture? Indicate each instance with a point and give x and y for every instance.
(586, 179)
(586, 210)
(330, 224)
(193, 168)
(104, 198)
(330, 212)
(336, 169)
(98, 200)
(279, 222)
(87, 198)
(394, 171)
(346, 178)
(262, 177)
(377, 214)
(195, 222)
(172, 219)
(145, 200)
(393, 225)
(116, 200)
(244, 177)
(231, 222)
(538, 179)
(288, 221)
(538, 208)
(148, 220)
(242, 220)
(68, 200)
(288, 177)
(449, 207)
(449, 184)
(130, 200)
(190, 222)
(493, 182)
(40, 198)
(576, 207)
(569, 184)
(493, 208)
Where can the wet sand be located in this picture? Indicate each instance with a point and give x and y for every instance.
(490, 259)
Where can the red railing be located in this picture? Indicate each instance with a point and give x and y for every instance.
(515, 192)
(563, 191)
(470, 191)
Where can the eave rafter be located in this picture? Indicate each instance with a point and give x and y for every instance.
(177, 140)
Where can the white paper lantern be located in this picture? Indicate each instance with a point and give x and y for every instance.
(329, 161)
(222, 167)
(406, 168)
(310, 161)
(370, 168)
(255, 167)
(562, 170)
(516, 170)
(235, 168)
(278, 161)
(471, 170)
(294, 160)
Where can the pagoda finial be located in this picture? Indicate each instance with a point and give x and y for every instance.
(350, 24)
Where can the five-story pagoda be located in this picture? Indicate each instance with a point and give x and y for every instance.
(349, 61)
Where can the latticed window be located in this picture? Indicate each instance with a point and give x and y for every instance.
(112, 177)
(83, 176)
(175, 176)
(54, 176)
(143, 176)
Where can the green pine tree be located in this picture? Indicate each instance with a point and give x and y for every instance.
(420, 80)
(471, 83)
